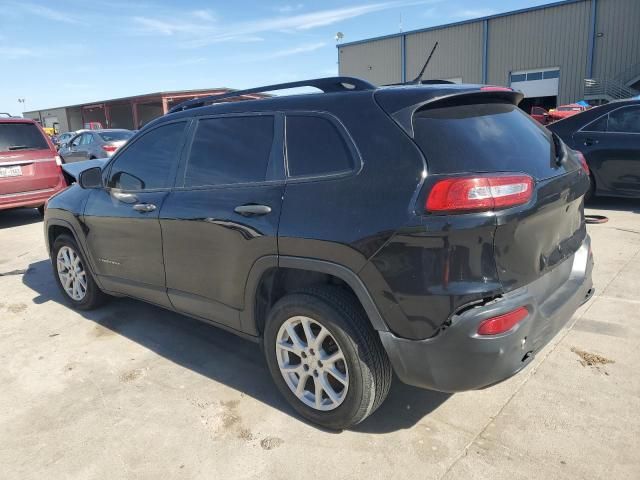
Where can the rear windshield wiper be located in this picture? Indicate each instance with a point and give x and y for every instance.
(18, 147)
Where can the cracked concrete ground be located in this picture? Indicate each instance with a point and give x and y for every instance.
(132, 391)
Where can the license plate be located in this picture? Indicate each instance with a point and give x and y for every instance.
(10, 171)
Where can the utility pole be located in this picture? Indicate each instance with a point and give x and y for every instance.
(23, 101)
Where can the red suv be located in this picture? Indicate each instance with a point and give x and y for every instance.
(29, 165)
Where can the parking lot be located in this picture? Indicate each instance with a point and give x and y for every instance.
(133, 391)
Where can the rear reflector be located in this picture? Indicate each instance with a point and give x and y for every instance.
(502, 323)
(479, 193)
(583, 162)
(109, 148)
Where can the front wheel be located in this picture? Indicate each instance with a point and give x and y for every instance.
(325, 358)
(73, 276)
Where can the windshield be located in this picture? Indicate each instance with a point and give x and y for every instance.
(115, 136)
(21, 136)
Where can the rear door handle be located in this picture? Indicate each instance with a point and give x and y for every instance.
(144, 207)
(252, 210)
(590, 141)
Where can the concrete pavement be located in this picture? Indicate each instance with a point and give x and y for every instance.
(133, 391)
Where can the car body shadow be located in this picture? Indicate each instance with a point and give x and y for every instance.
(218, 354)
(19, 216)
(614, 203)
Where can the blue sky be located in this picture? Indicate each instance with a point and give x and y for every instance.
(73, 51)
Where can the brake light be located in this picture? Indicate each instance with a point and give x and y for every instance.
(583, 162)
(479, 193)
(494, 88)
(502, 323)
(109, 148)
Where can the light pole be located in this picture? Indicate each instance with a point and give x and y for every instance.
(23, 101)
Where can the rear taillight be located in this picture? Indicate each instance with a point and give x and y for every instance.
(109, 148)
(583, 162)
(58, 160)
(502, 323)
(479, 193)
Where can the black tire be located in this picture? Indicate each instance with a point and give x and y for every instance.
(94, 297)
(370, 372)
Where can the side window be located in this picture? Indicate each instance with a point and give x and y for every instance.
(230, 150)
(76, 141)
(87, 138)
(148, 162)
(600, 125)
(625, 120)
(315, 147)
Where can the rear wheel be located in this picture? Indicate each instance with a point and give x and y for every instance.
(73, 276)
(325, 358)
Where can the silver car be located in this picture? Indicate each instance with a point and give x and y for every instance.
(92, 144)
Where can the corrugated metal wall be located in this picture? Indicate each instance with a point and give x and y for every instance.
(618, 48)
(550, 37)
(379, 61)
(459, 53)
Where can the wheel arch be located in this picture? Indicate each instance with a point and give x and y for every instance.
(266, 268)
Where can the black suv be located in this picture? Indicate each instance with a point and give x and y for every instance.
(435, 231)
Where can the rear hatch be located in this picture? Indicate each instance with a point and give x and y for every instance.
(27, 160)
(486, 133)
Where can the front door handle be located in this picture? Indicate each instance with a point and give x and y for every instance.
(144, 207)
(252, 210)
(124, 197)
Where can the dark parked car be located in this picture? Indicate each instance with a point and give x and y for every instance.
(436, 230)
(609, 138)
(92, 144)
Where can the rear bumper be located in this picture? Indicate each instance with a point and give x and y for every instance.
(459, 359)
(34, 198)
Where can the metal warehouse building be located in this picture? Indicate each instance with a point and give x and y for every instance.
(556, 53)
(128, 112)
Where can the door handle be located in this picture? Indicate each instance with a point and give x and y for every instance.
(252, 210)
(590, 141)
(124, 197)
(144, 207)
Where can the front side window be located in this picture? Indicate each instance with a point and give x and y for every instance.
(229, 150)
(76, 141)
(87, 139)
(148, 163)
(315, 147)
(624, 120)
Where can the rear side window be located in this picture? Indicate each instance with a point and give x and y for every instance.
(115, 136)
(21, 136)
(315, 147)
(600, 125)
(230, 150)
(148, 163)
(494, 137)
(625, 120)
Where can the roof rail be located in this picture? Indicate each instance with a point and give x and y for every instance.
(327, 85)
(7, 114)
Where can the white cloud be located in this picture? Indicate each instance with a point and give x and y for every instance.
(15, 53)
(473, 13)
(205, 15)
(291, 51)
(289, 8)
(48, 13)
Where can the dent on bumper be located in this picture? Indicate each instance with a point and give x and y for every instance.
(459, 359)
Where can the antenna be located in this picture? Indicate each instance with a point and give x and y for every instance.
(418, 79)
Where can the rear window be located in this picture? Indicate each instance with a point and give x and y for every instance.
(115, 136)
(21, 136)
(493, 137)
(315, 147)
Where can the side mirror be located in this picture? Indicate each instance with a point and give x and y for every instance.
(91, 178)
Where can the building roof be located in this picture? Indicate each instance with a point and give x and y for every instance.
(463, 22)
(170, 93)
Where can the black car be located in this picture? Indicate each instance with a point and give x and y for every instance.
(609, 138)
(432, 230)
